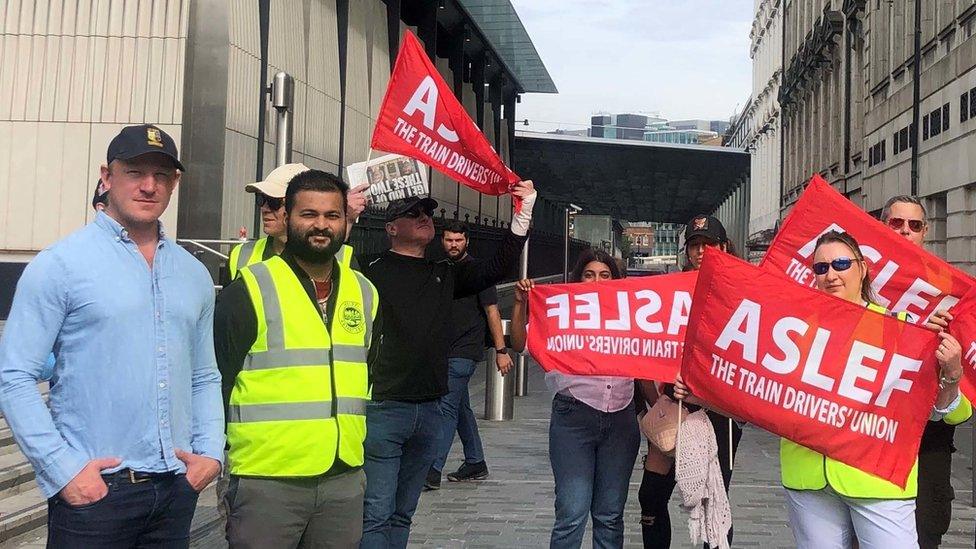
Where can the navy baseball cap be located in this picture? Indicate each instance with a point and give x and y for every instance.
(135, 141)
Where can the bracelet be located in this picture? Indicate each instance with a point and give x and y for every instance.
(944, 381)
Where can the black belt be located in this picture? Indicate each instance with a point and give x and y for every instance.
(135, 477)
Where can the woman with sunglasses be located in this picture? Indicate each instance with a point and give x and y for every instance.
(658, 482)
(831, 504)
(593, 432)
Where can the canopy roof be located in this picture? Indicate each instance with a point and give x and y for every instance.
(628, 179)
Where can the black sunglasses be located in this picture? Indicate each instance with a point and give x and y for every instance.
(270, 201)
(839, 264)
(414, 213)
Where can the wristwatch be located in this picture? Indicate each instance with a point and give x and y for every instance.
(503, 350)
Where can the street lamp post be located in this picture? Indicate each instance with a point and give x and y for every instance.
(570, 210)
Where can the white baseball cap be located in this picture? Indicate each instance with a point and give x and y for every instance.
(277, 181)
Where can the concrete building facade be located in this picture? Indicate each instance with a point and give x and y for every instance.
(763, 134)
(848, 106)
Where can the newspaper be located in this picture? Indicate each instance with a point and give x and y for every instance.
(390, 177)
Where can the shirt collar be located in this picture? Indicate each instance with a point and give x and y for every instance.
(114, 228)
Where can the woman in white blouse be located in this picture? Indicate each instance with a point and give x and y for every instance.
(593, 432)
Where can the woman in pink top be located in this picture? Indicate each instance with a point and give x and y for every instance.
(593, 433)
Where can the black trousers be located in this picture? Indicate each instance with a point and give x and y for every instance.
(933, 507)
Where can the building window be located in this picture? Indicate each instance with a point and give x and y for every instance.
(900, 140)
(925, 127)
(972, 103)
(963, 107)
(945, 117)
(935, 122)
(884, 147)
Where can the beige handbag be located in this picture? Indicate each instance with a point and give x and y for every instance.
(660, 424)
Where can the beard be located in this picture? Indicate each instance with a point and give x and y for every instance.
(299, 246)
(457, 254)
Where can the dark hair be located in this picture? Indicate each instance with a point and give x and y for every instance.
(318, 181)
(590, 255)
(455, 226)
(867, 294)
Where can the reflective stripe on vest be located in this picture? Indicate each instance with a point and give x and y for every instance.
(299, 401)
(344, 255)
(247, 253)
(294, 411)
(804, 469)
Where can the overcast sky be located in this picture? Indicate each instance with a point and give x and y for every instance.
(680, 58)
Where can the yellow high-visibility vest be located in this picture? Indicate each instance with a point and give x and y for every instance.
(247, 253)
(299, 402)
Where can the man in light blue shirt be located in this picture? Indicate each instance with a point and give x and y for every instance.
(135, 427)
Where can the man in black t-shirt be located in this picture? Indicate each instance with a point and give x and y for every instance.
(471, 316)
(409, 372)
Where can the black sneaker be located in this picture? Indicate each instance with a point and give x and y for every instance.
(469, 471)
(433, 481)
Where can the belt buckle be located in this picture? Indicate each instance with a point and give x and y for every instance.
(133, 479)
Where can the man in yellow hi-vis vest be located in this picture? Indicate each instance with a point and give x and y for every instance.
(933, 505)
(271, 199)
(292, 337)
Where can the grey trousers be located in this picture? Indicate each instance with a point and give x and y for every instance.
(317, 512)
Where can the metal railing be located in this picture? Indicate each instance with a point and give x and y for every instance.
(205, 244)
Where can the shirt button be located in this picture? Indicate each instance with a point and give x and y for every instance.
(160, 349)
(118, 239)
(608, 387)
(162, 385)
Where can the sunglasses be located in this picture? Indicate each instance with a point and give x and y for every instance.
(414, 213)
(915, 225)
(270, 201)
(839, 264)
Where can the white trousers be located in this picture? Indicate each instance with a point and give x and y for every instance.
(823, 519)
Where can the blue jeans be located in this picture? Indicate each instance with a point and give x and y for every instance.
(153, 513)
(592, 455)
(401, 440)
(456, 407)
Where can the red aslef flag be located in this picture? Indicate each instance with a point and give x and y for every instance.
(632, 327)
(855, 385)
(905, 277)
(421, 118)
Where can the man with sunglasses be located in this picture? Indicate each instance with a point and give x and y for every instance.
(933, 512)
(409, 373)
(271, 199)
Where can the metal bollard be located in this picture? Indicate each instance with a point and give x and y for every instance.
(499, 392)
(521, 376)
(499, 389)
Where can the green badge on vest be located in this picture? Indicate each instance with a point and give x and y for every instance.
(352, 319)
